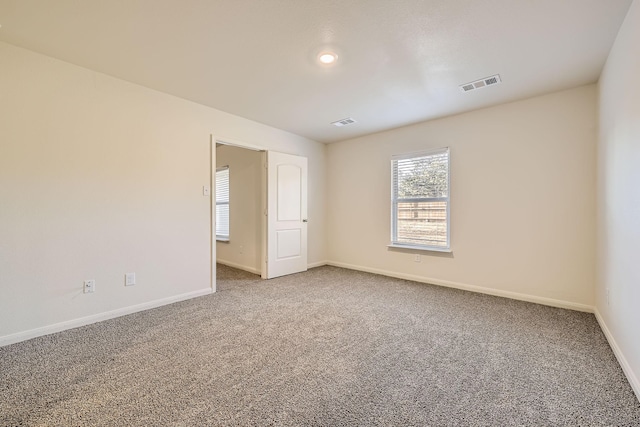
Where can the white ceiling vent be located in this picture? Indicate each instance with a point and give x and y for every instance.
(344, 122)
(487, 81)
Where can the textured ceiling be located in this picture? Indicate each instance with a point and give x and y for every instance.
(400, 61)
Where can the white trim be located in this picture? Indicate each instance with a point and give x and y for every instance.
(212, 213)
(83, 321)
(237, 143)
(626, 368)
(317, 264)
(419, 248)
(421, 153)
(238, 266)
(472, 288)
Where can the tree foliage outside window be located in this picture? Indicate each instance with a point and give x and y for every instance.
(420, 200)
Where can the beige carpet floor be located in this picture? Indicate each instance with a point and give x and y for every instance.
(329, 347)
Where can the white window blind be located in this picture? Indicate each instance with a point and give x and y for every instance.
(222, 203)
(420, 200)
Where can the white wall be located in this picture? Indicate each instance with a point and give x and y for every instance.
(244, 248)
(619, 198)
(522, 199)
(99, 177)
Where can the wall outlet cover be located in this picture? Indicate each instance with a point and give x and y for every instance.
(129, 279)
(89, 286)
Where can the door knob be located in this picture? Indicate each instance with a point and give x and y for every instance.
(304, 220)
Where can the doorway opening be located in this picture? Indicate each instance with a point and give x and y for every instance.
(258, 210)
(240, 187)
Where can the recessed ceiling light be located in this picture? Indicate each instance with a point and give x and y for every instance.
(327, 58)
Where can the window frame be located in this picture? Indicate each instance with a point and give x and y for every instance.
(395, 200)
(222, 237)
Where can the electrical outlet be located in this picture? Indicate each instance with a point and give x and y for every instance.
(607, 290)
(417, 258)
(241, 249)
(129, 279)
(89, 286)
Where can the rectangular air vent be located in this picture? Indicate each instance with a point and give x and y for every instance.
(344, 122)
(478, 84)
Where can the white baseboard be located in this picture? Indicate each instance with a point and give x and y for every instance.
(473, 288)
(239, 266)
(626, 368)
(255, 271)
(82, 321)
(317, 264)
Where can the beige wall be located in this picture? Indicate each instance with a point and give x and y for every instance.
(619, 198)
(244, 248)
(522, 199)
(99, 177)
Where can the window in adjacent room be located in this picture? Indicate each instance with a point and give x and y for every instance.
(420, 200)
(222, 203)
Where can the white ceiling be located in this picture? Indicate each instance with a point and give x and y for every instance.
(400, 61)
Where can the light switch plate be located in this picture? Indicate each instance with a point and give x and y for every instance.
(206, 190)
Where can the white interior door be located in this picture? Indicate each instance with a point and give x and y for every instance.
(286, 214)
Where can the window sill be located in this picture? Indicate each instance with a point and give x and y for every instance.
(222, 240)
(419, 248)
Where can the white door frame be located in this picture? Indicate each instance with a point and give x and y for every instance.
(212, 210)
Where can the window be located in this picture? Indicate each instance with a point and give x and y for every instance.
(222, 203)
(420, 200)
